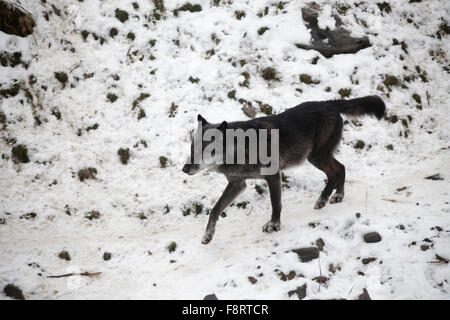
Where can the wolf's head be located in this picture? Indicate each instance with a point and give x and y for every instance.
(202, 154)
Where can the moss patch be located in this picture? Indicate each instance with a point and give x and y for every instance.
(259, 189)
(172, 246)
(384, 7)
(359, 144)
(416, 97)
(173, 110)
(306, 78)
(188, 7)
(262, 30)
(391, 80)
(93, 214)
(19, 153)
(239, 14)
(121, 15)
(111, 97)
(124, 155)
(345, 92)
(87, 173)
(270, 74)
(113, 32)
(163, 161)
(64, 255)
(62, 77)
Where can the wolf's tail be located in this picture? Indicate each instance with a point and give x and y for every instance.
(369, 105)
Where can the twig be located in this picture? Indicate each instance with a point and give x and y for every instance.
(250, 211)
(88, 274)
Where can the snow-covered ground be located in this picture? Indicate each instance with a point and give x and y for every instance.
(142, 204)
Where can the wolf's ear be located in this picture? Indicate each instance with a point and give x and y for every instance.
(223, 126)
(201, 119)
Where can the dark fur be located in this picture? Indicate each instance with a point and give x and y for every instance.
(312, 131)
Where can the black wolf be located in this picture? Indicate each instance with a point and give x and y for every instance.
(311, 130)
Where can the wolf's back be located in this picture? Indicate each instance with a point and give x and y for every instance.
(369, 105)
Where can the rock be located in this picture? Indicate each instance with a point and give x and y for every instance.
(124, 155)
(364, 295)
(252, 280)
(300, 292)
(29, 216)
(15, 20)
(372, 237)
(211, 296)
(107, 256)
(13, 291)
(93, 214)
(368, 260)
(330, 42)
(249, 111)
(320, 244)
(321, 279)
(87, 173)
(64, 255)
(435, 177)
(19, 153)
(307, 254)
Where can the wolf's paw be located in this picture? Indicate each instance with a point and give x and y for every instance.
(337, 197)
(271, 226)
(207, 238)
(320, 203)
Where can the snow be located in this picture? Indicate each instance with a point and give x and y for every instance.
(141, 267)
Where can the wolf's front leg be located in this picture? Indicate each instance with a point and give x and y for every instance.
(275, 197)
(232, 190)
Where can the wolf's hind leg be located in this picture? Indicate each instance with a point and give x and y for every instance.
(274, 183)
(232, 190)
(339, 194)
(325, 165)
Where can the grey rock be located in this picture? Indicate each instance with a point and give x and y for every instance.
(372, 237)
(13, 291)
(364, 295)
(307, 254)
(300, 292)
(211, 296)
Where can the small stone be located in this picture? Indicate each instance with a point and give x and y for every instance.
(252, 280)
(435, 177)
(64, 255)
(211, 296)
(93, 214)
(87, 173)
(372, 237)
(368, 260)
(307, 254)
(13, 291)
(249, 111)
(124, 155)
(107, 256)
(364, 295)
(300, 292)
(121, 15)
(320, 244)
(28, 216)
